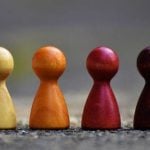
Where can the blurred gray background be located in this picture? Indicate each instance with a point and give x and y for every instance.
(75, 27)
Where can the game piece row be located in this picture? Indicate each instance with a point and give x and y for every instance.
(49, 110)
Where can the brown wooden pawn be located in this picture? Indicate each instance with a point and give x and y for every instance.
(49, 110)
(101, 110)
(142, 112)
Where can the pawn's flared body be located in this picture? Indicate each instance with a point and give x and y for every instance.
(7, 111)
(142, 112)
(101, 110)
(49, 110)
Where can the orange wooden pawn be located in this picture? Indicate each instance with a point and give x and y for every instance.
(49, 110)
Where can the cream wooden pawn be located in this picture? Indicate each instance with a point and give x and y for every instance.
(7, 111)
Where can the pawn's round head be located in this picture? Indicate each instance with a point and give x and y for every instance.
(48, 63)
(6, 63)
(143, 63)
(102, 63)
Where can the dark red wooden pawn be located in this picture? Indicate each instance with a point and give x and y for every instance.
(101, 110)
(142, 112)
